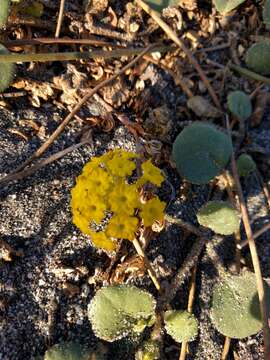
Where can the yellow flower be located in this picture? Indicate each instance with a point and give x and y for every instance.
(98, 182)
(87, 203)
(93, 207)
(81, 222)
(151, 173)
(120, 165)
(153, 210)
(122, 227)
(124, 198)
(100, 240)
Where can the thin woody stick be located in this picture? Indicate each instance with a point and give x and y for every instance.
(191, 295)
(150, 270)
(60, 18)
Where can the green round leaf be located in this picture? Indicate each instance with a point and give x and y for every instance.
(258, 57)
(120, 310)
(181, 325)
(6, 71)
(239, 105)
(150, 350)
(159, 5)
(67, 351)
(266, 12)
(225, 6)
(245, 165)
(201, 152)
(220, 217)
(4, 9)
(235, 306)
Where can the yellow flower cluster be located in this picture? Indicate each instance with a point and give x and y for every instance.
(102, 192)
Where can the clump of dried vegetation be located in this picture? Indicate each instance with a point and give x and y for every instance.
(115, 198)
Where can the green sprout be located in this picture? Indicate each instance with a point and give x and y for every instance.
(239, 105)
(235, 306)
(6, 71)
(245, 165)
(68, 351)
(181, 325)
(150, 350)
(201, 152)
(266, 12)
(120, 310)
(220, 217)
(258, 57)
(225, 6)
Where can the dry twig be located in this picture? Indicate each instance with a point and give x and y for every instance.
(60, 18)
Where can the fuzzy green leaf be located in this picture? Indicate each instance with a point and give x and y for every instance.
(245, 165)
(239, 105)
(6, 71)
(220, 217)
(67, 351)
(266, 12)
(225, 6)
(118, 311)
(150, 350)
(181, 325)
(235, 306)
(159, 5)
(201, 152)
(258, 57)
(4, 9)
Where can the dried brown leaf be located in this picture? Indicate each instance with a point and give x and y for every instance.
(262, 100)
(202, 108)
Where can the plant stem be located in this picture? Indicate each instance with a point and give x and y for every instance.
(68, 56)
(254, 255)
(191, 295)
(250, 74)
(150, 270)
(226, 348)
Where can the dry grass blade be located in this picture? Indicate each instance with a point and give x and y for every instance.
(60, 18)
(255, 235)
(254, 255)
(250, 74)
(68, 56)
(64, 123)
(44, 40)
(39, 165)
(180, 43)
